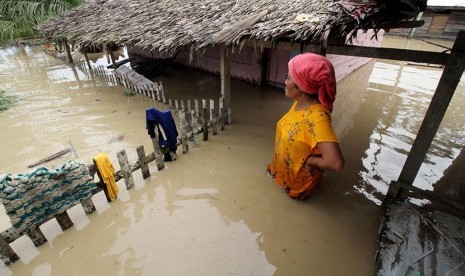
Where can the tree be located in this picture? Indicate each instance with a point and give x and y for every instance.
(18, 17)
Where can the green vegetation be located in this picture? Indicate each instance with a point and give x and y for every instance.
(18, 17)
(129, 92)
(6, 101)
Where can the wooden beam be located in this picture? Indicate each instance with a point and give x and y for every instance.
(450, 78)
(389, 53)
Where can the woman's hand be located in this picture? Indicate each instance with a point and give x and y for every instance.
(330, 159)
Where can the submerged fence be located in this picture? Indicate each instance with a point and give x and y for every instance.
(31, 200)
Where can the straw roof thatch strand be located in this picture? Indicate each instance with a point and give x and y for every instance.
(165, 25)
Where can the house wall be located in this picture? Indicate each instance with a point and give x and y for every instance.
(246, 64)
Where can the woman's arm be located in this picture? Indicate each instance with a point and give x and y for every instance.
(330, 159)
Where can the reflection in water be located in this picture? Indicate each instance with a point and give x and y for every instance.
(401, 94)
(194, 235)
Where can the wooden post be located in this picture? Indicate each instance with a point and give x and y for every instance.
(88, 205)
(7, 254)
(225, 77)
(143, 162)
(103, 186)
(184, 126)
(157, 151)
(125, 169)
(68, 52)
(86, 57)
(445, 90)
(196, 106)
(205, 120)
(264, 66)
(222, 113)
(64, 220)
(194, 128)
(36, 235)
(162, 93)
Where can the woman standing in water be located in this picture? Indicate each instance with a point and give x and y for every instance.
(305, 142)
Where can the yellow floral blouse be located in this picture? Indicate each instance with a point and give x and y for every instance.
(297, 134)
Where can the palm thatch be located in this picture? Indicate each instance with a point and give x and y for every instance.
(165, 25)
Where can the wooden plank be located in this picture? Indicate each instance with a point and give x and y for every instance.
(415, 241)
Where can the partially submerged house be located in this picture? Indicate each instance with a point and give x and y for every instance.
(260, 37)
(254, 41)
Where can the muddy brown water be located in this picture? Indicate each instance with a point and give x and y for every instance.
(213, 211)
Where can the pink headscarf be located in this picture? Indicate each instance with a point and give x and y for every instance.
(314, 74)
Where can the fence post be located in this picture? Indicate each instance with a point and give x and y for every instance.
(213, 118)
(222, 113)
(36, 235)
(205, 120)
(7, 254)
(125, 169)
(64, 220)
(88, 205)
(157, 151)
(184, 125)
(143, 162)
(194, 128)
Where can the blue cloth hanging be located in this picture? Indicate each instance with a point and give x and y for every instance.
(167, 133)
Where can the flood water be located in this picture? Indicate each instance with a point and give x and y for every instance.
(214, 211)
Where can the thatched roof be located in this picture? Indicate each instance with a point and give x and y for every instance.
(165, 25)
